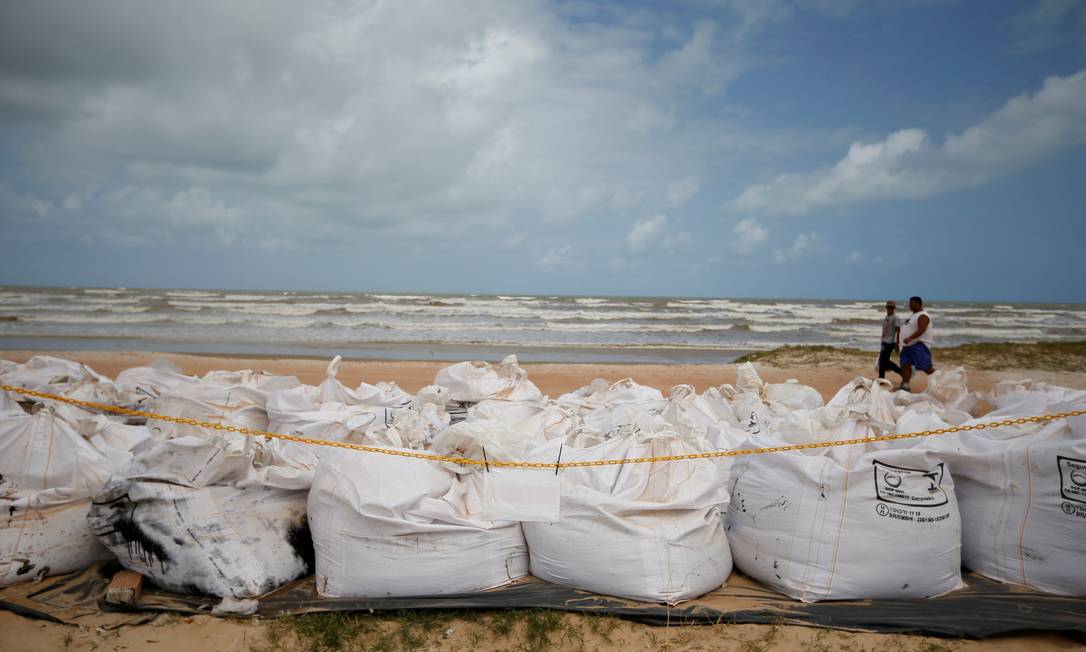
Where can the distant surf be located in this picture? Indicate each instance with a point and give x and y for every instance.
(414, 326)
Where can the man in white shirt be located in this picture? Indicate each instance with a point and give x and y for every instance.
(891, 325)
(916, 341)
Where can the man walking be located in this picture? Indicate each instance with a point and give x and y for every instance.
(916, 341)
(891, 326)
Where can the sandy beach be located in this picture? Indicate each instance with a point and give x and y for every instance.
(827, 371)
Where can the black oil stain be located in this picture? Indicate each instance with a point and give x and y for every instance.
(301, 541)
(141, 546)
(120, 514)
(25, 568)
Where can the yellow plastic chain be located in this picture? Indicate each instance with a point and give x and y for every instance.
(252, 432)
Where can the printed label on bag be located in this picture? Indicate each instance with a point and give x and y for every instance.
(522, 495)
(1072, 479)
(910, 487)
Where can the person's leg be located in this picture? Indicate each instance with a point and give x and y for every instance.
(924, 359)
(884, 360)
(890, 364)
(907, 362)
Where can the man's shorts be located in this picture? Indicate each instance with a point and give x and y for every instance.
(918, 355)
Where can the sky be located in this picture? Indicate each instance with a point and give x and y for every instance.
(771, 148)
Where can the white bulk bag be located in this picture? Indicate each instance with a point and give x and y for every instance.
(207, 512)
(164, 377)
(1011, 392)
(1022, 491)
(42, 451)
(43, 370)
(118, 442)
(155, 379)
(47, 474)
(195, 460)
(46, 539)
(64, 378)
(692, 415)
(243, 406)
(302, 411)
(626, 420)
(949, 389)
(217, 540)
(855, 524)
(261, 380)
(649, 531)
(603, 395)
(379, 395)
(386, 526)
(791, 395)
(477, 380)
(536, 422)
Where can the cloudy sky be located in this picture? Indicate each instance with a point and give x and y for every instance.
(773, 148)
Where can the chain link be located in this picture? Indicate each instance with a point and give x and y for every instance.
(464, 461)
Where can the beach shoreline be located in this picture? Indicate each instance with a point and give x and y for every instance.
(834, 369)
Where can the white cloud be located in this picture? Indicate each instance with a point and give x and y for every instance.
(656, 233)
(854, 258)
(565, 257)
(804, 244)
(335, 120)
(749, 236)
(1028, 128)
(681, 191)
(645, 233)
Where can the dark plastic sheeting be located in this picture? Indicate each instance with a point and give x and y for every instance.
(983, 608)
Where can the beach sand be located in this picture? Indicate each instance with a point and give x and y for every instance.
(483, 631)
(827, 373)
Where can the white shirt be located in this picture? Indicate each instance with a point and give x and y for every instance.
(910, 325)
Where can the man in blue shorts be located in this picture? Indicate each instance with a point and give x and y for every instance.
(916, 341)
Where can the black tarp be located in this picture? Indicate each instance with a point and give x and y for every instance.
(983, 608)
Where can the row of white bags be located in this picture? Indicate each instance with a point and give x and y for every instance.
(198, 511)
(650, 532)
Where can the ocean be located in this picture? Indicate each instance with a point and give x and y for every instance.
(454, 327)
